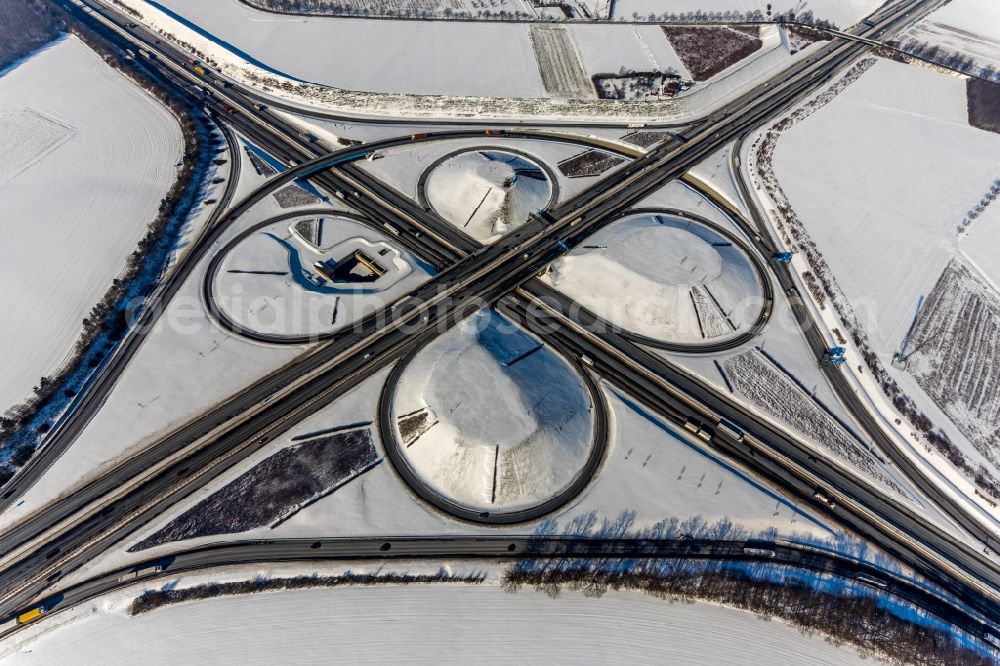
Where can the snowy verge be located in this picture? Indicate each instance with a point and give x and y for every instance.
(374, 104)
(87, 157)
(395, 624)
(950, 466)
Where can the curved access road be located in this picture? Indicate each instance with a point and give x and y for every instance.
(514, 548)
(842, 385)
(393, 447)
(710, 346)
(272, 404)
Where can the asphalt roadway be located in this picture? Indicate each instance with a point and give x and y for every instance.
(794, 93)
(515, 548)
(539, 252)
(62, 436)
(439, 253)
(842, 384)
(770, 453)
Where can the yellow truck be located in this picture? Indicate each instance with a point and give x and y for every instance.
(39, 610)
(28, 616)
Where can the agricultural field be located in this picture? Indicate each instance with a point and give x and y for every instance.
(980, 238)
(984, 104)
(757, 379)
(963, 33)
(425, 68)
(277, 488)
(953, 349)
(26, 137)
(870, 134)
(24, 27)
(515, 322)
(898, 139)
(559, 62)
(414, 621)
(323, 56)
(114, 149)
(706, 51)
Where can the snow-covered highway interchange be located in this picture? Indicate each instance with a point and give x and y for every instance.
(429, 339)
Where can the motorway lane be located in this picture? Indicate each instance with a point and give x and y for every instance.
(256, 97)
(234, 91)
(532, 288)
(585, 202)
(626, 191)
(413, 235)
(99, 385)
(63, 437)
(844, 390)
(770, 453)
(513, 548)
(212, 455)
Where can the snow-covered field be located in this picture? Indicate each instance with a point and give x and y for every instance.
(490, 418)
(313, 466)
(901, 167)
(268, 283)
(980, 242)
(767, 386)
(487, 193)
(607, 49)
(665, 277)
(422, 624)
(676, 195)
(409, 68)
(716, 174)
(85, 158)
(440, 58)
(27, 136)
(969, 27)
(652, 468)
(185, 365)
(952, 352)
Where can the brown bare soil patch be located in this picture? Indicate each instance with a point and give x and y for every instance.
(590, 163)
(24, 27)
(984, 104)
(275, 488)
(707, 50)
